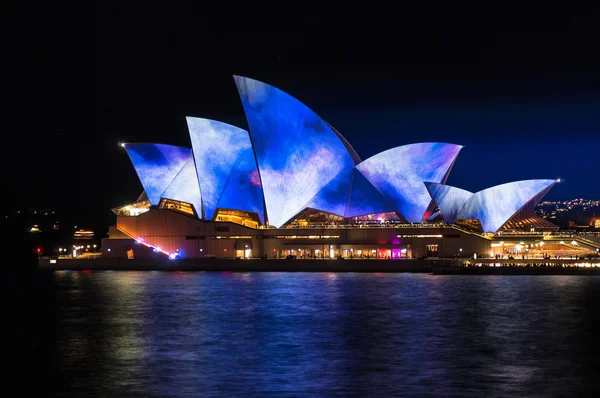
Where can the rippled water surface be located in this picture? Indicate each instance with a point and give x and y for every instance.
(318, 334)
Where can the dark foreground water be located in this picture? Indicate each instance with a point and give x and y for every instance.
(318, 334)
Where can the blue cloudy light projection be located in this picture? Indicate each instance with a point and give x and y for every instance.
(243, 190)
(333, 197)
(298, 154)
(496, 205)
(364, 199)
(156, 166)
(449, 199)
(225, 167)
(185, 188)
(399, 173)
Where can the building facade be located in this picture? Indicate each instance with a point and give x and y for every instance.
(293, 186)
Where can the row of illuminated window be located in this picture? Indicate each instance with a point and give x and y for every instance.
(278, 237)
(231, 237)
(302, 237)
(418, 236)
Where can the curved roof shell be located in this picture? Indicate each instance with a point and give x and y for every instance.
(157, 165)
(185, 188)
(496, 205)
(298, 153)
(399, 174)
(225, 166)
(449, 199)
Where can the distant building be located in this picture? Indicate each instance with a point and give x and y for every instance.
(83, 234)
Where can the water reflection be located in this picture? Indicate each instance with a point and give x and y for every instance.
(290, 334)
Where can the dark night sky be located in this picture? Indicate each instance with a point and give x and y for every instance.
(519, 88)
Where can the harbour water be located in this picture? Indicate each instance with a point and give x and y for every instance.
(226, 334)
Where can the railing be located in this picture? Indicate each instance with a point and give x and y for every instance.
(370, 225)
(467, 231)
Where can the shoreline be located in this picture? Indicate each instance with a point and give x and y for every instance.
(233, 265)
(437, 267)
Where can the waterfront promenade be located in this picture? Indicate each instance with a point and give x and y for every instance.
(454, 265)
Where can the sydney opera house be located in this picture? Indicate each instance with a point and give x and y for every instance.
(293, 186)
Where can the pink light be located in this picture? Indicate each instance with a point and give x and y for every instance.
(254, 178)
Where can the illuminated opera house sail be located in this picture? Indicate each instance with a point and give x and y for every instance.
(292, 169)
